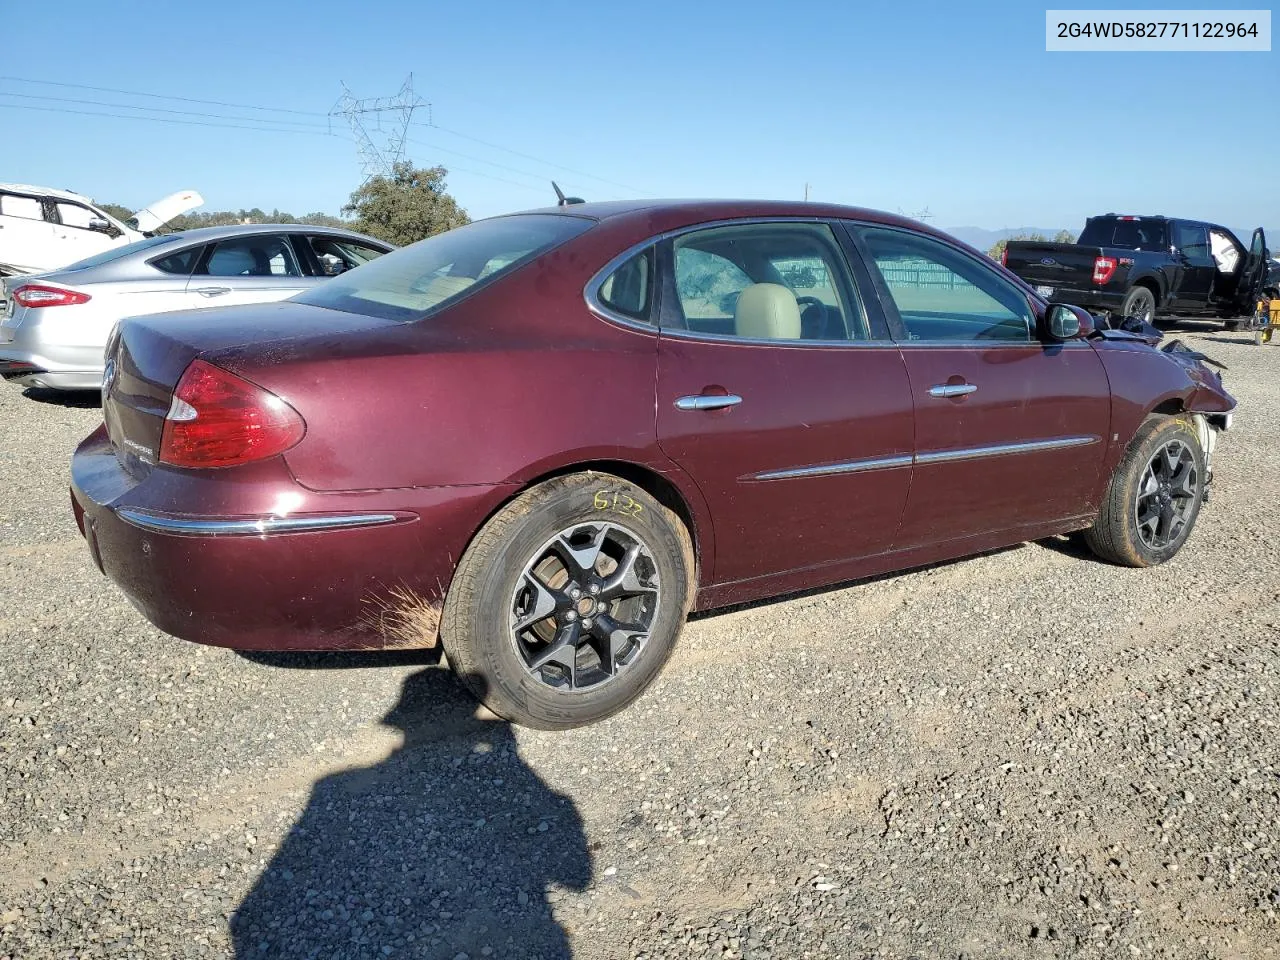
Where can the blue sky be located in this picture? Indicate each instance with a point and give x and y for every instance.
(949, 106)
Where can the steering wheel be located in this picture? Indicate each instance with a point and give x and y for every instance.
(804, 302)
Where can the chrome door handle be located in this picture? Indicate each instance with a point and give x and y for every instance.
(953, 389)
(212, 291)
(704, 402)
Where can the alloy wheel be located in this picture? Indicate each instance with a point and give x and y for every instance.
(1167, 495)
(584, 605)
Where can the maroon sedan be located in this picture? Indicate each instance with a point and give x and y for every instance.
(542, 439)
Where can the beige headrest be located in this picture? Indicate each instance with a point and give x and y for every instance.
(767, 311)
(441, 288)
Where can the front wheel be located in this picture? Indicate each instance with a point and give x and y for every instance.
(1154, 496)
(569, 601)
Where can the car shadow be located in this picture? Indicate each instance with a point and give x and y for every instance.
(344, 660)
(445, 848)
(1072, 545)
(80, 399)
(1234, 341)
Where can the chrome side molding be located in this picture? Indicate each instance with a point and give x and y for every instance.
(209, 527)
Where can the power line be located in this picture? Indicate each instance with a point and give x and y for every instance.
(189, 113)
(190, 123)
(162, 96)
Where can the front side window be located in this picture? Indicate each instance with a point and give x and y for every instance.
(766, 281)
(74, 215)
(406, 284)
(942, 293)
(627, 289)
(257, 255)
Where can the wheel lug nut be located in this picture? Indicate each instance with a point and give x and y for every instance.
(595, 588)
(586, 623)
(571, 615)
(575, 592)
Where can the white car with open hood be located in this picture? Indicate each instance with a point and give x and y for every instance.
(43, 229)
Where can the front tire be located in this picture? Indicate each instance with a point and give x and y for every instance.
(568, 602)
(1154, 496)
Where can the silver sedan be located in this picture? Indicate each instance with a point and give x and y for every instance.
(54, 326)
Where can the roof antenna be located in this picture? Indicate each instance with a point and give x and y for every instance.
(562, 200)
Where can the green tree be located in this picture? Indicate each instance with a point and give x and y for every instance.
(406, 206)
(1064, 236)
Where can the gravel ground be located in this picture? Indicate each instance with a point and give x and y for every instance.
(1026, 754)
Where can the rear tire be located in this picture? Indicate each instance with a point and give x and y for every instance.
(544, 622)
(1141, 303)
(1154, 496)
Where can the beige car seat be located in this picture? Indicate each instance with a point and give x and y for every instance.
(767, 311)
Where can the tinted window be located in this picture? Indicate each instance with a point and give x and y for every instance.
(180, 263)
(117, 253)
(626, 290)
(1131, 234)
(766, 281)
(407, 283)
(338, 255)
(942, 293)
(259, 255)
(28, 208)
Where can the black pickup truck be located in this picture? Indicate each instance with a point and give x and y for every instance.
(1152, 268)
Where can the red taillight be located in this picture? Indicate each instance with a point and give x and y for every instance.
(1103, 268)
(42, 295)
(217, 419)
(1004, 257)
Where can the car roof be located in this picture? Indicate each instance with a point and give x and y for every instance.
(663, 215)
(44, 191)
(205, 234)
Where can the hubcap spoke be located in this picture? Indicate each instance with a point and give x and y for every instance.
(545, 602)
(562, 651)
(612, 639)
(625, 581)
(581, 560)
(1184, 481)
(1167, 495)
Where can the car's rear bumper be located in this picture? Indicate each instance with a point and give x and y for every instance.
(29, 370)
(1091, 298)
(355, 570)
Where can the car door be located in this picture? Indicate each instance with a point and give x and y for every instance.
(253, 268)
(1010, 432)
(72, 227)
(781, 397)
(1253, 274)
(1193, 287)
(27, 241)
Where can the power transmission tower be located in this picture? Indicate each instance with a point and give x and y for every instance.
(380, 148)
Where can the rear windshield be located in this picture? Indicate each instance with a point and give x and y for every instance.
(405, 284)
(115, 253)
(1129, 234)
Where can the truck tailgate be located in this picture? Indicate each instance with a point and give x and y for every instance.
(1052, 264)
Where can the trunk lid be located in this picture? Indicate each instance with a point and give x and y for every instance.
(1067, 265)
(157, 214)
(146, 356)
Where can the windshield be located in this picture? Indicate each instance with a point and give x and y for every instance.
(406, 284)
(115, 253)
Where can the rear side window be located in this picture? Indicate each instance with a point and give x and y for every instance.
(406, 284)
(180, 263)
(627, 289)
(258, 255)
(28, 208)
(1135, 234)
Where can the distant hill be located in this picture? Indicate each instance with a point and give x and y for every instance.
(983, 239)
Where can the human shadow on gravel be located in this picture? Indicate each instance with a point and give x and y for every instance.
(81, 399)
(444, 848)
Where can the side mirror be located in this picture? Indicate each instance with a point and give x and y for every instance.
(99, 225)
(1062, 321)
